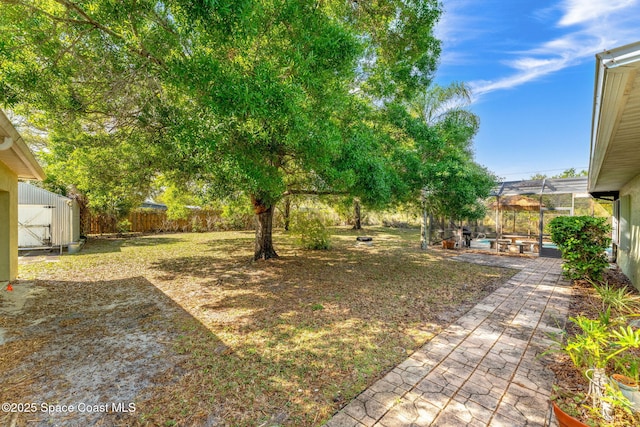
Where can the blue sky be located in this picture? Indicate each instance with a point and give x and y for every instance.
(531, 67)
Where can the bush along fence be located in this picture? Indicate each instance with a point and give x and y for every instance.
(156, 221)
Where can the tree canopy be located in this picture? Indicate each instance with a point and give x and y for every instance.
(567, 173)
(267, 97)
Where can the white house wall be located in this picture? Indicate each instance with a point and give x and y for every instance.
(629, 249)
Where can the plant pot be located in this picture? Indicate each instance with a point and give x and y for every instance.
(74, 247)
(624, 381)
(448, 244)
(564, 419)
(629, 389)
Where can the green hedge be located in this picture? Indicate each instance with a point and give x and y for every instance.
(582, 241)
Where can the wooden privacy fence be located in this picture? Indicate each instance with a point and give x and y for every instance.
(154, 221)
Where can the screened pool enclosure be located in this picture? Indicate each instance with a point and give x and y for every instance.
(521, 210)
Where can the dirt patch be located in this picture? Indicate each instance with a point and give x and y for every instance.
(84, 353)
(12, 302)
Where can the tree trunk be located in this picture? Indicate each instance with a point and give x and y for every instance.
(356, 214)
(264, 227)
(83, 210)
(287, 213)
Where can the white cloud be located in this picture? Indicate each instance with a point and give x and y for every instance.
(456, 26)
(580, 11)
(594, 33)
(530, 69)
(573, 46)
(451, 57)
(530, 63)
(482, 87)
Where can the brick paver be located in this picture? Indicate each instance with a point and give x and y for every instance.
(483, 370)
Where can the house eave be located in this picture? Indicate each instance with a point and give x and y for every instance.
(615, 125)
(16, 155)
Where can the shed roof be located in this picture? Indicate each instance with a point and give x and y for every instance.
(150, 204)
(15, 154)
(29, 194)
(577, 186)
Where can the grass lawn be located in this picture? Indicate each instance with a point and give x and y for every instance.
(194, 333)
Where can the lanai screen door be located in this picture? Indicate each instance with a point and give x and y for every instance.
(550, 250)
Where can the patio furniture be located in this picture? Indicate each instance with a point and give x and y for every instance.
(533, 245)
(501, 242)
(515, 245)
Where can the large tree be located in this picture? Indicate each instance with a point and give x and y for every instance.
(267, 96)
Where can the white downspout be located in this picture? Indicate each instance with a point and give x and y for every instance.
(8, 143)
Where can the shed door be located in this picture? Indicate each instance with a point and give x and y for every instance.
(34, 225)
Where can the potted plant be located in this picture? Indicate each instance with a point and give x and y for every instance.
(593, 349)
(570, 410)
(629, 389)
(449, 243)
(626, 379)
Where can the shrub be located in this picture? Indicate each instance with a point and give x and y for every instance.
(582, 241)
(311, 231)
(237, 213)
(123, 226)
(618, 299)
(196, 224)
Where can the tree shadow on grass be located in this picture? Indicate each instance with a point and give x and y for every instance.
(324, 324)
(107, 343)
(310, 330)
(124, 341)
(283, 342)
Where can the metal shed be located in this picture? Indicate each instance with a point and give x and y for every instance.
(46, 219)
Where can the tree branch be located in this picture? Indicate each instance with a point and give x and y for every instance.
(44, 12)
(97, 25)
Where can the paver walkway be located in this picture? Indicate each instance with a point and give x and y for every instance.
(484, 369)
